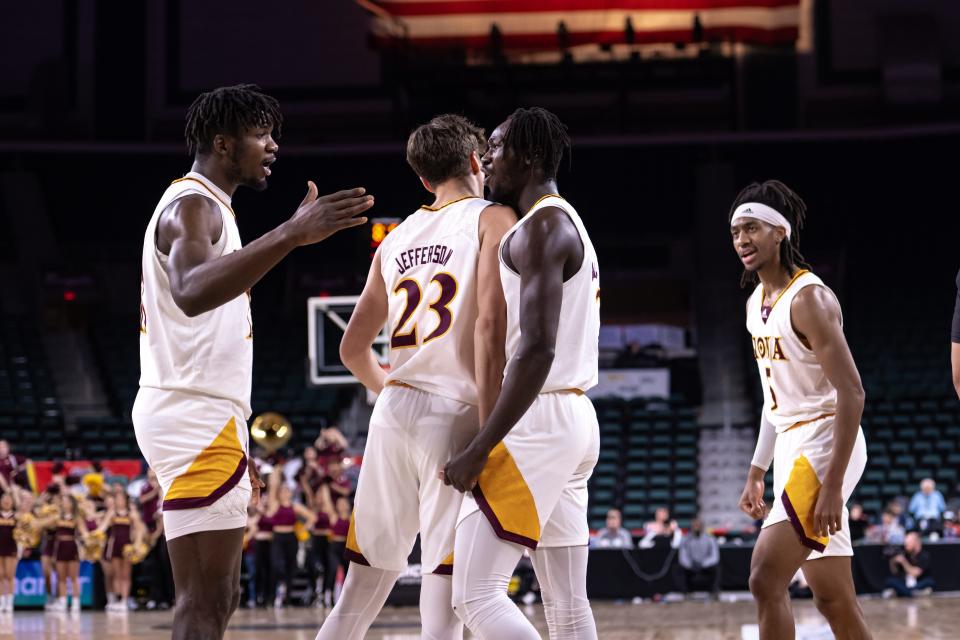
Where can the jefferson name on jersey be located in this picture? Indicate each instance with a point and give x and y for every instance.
(433, 254)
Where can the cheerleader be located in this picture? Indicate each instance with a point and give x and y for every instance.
(67, 553)
(45, 513)
(283, 512)
(8, 549)
(320, 543)
(123, 526)
(339, 527)
(262, 541)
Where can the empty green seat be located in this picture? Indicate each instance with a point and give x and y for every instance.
(605, 468)
(609, 455)
(898, 475)
(659, 496)
(905, 461)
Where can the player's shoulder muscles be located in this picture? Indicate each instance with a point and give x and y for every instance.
(194, 218)
(815, 315)
(548, 239)
(495, 221)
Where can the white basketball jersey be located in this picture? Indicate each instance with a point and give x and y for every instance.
(429, 265)
(575, 360)
(210, 354)
(795, 388)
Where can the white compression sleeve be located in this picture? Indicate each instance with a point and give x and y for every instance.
(562, 574)
(482, 567)
(436, 609)
(766, 442)
(364, 592)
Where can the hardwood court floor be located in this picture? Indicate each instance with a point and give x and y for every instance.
(932, 618)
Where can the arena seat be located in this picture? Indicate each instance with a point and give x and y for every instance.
(648, 453)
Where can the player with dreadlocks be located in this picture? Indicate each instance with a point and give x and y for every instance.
(810, 423)
(196, 343)
(526, 470)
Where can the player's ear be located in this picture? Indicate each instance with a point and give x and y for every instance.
(475, 163)
(426, 185)
(220, 145)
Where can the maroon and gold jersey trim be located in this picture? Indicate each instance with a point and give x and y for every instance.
(541, 199)
(209, 190)
(445, 205)
(799, 499)
(215, 471)
(505, 499)
(795, 277)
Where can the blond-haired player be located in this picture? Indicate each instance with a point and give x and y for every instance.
(434, 283)
(196, 343)
(810, 425)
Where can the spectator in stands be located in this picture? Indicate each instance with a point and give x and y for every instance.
(11, 465)
(927, 506)
(910, 570)
(613, 536)
(699, 561)
(661, 530)
(951, 529)
(859, 523)
(895, 507)
(890, 530)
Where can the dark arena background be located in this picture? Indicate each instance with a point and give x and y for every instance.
(672, 107)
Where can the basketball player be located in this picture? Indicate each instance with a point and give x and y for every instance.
(196, 342)
(434, 283)
(528, 467)
(810, 425)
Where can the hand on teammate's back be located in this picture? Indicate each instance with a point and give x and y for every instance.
(319, 218)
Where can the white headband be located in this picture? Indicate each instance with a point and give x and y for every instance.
(761, 212)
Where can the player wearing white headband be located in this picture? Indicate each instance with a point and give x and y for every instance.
(810, 425)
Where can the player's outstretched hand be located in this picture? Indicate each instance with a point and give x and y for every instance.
(462, 472)
(751, 500)
(320, 218)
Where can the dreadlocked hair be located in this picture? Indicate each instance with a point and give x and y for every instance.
(539, 135)
(229, 111)
(779, 196)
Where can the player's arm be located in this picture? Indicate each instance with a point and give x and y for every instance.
(365, 325)
(490, 331)
(751, 500)
(201, 281)
(539, 252)
(815, 314)
(955, 344)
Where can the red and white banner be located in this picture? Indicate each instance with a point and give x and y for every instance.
(532, 25)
